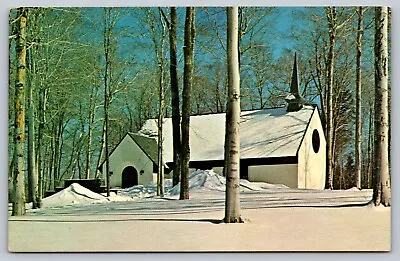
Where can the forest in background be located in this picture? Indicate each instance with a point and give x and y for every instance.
(67, 50)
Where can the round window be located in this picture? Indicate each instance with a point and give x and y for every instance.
(315, 141)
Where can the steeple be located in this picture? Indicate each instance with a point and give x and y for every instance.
(294, 100)
(294, 85)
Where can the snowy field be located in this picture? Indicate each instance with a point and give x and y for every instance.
(135, 219)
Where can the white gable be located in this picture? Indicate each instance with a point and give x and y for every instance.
(263, 133)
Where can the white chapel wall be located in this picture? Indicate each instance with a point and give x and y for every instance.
(127, 154)
(311, 165)
(285, 174)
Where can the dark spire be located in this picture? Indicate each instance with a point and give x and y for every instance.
(294, 85)
(294, 100)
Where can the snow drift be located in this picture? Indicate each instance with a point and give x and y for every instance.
(201, 182)
(210, 181)
(74, 194)
(202, 179)
(144, 191)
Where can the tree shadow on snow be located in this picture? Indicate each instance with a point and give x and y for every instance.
(213, 221)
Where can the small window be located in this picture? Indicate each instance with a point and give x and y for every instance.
(315, 141)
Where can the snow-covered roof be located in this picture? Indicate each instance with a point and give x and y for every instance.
(147, 144)
(263, 133)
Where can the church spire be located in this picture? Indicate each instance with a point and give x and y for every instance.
(294, 100)
(294, 85)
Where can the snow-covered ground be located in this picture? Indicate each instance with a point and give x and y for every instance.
(207, 193)
(277, 218)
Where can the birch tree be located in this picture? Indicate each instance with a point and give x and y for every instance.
(115, 79)
(154, 23)
(32, 166)
(108, 24)
(331, 16)
(188, 51)
(40, 140)
(334, 27)
(52, 73)
(159, 52)
(91, 117)
(232, 137)
(382, 188)
(360, 12)
(18, 206)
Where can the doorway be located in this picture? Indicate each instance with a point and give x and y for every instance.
(129, 177)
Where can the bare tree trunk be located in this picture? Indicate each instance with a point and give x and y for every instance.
(52, 156)
(360, 32)
(89, 137)
(106, 124)
(331, 16)
(89, 147)
(187, 86)
(106, 78)
(160, 172)
(32, 167)
(161, 105)
(176, 118)
(101, 154)
(35, 87)
(232, 137)
(18, 207)
(340, 177)
(381, 155)
(217, 94)
(60, 154)
(40, 147)
(57, 150)
(11, 169)
(369, 149)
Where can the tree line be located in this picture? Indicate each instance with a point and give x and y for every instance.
(86, 76)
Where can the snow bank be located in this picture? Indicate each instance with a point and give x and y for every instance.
(143, 191)
(140, 191)
(115, 197)
(201, 182)
(211, 181)
(245, 184)
(168, 183)
(202, 179)
(352, 189)
(74, 194)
